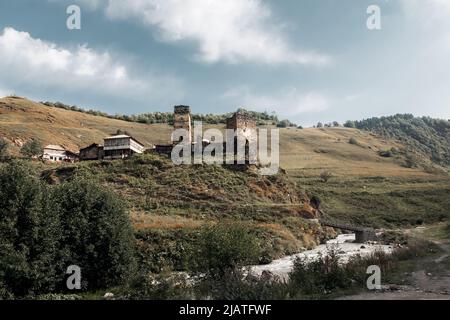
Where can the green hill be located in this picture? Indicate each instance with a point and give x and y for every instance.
(427, 136)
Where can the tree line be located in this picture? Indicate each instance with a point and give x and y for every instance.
(262, 118)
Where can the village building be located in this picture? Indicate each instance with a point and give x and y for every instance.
(56, 153)
(92, 152)
(121, 147)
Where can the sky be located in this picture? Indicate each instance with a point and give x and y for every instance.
(306, 60)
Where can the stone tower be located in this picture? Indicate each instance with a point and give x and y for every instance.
(182, 119)
(243, 125)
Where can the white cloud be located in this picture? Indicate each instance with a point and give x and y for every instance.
(26, 62)
(232, 31)
(288, 102)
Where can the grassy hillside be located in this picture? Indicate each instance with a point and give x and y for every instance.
(21, 120)
(370, 184)
(307, 151)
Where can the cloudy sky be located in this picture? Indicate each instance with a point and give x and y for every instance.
(307, 60)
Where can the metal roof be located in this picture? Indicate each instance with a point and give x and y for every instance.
(55, 147)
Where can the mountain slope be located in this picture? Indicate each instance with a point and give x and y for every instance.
(305, 152)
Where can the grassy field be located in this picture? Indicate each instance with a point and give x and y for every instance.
(383, 201)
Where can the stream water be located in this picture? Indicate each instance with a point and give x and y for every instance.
(343, 244)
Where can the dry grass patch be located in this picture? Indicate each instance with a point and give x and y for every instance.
(143, 221)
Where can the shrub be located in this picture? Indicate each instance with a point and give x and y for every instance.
(224, 247)
(319, 276)
(411, 160)
(385, 153)
(325, 176)
(353, 141)
(234, 285)
(4, 145)
(32, 148)
(163, 286)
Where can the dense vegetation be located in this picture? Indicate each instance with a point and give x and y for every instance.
(44, 230)
(262, 118)
(431, 137)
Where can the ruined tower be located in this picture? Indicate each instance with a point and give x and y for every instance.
(182, 119)
(243, 125)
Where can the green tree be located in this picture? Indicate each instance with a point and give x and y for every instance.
(350, 124)
(96, 233)
(32, 148)
(29, 233)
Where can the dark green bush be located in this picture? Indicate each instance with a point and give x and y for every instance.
(96, 233)
(320, 276)
(224, 247)
(29, 233)
(386, 153)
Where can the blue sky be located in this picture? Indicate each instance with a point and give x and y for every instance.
(307, 60)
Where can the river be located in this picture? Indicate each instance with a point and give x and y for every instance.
(343, 244)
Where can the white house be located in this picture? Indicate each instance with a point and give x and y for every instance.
(55, 153)
(121, 146)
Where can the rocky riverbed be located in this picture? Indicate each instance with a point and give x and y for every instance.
(343, 244)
